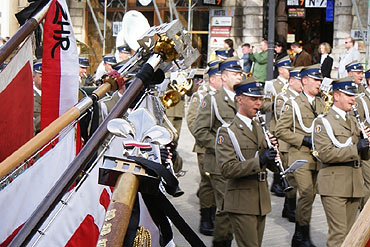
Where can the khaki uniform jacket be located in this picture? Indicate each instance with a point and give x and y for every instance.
(244, 195)
(206, 124)
(107, 104)
(280, 101)
(177, 111)
(195, 100)
(36, 112)
(360, 101)
(278, 86)
(341, 181)
(291, 131)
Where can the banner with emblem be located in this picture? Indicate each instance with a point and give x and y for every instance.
(59, 64)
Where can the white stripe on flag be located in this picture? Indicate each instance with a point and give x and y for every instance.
(16, 64)
(21, 197)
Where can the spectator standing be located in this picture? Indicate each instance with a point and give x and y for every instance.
(280, 52)
(247, 63)
(326, 61)
(351, 54)
(302, 58)
(260, 62)
(229, 46)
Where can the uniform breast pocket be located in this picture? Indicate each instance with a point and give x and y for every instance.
(308, 118)
(341, 135)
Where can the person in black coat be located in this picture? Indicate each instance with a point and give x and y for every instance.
(280, 52)
(326, 61)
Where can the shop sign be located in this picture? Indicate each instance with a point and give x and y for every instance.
(222, 21)
(356, 34)
(217, 42)
(296, 12)
(290, 38)
(315, 3)
(222, 12)
(220, 31)
(116, 27)
(295, 2)
(213, 2)
(330, 11)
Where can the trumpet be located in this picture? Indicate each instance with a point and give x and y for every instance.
(278, 162)
(179, 86)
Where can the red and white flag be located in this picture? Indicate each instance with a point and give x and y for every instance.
(59, 64)
(16, 108)
(21, 197)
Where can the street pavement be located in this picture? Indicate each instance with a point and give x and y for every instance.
(278, 230)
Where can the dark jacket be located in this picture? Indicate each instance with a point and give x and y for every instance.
(326, 66)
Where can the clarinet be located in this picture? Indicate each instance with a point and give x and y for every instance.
(360, 123)
(278, 162)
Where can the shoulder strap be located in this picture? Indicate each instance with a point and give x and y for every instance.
(217, 114)
(235, 143)
(297, 111)
(366, 109)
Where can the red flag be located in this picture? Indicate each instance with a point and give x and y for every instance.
(59, 64)
(16, 108)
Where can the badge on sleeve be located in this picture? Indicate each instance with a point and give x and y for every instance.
(220, 140)
(286, 107)
(195, 99)
(278, 102)
(356, 104)
(204, 104)
(317, 128)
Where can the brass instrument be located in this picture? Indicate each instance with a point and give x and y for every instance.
(179, 86)
(278, 161)
(327, 94)
(246, 75)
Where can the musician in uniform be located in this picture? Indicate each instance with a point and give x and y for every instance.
(295, 128)
(216, 109)
(356, 70)
(294, 89)
(83, 63)
(124, 52)
(205, 192)
(36, 76)
(363, 105)
(340, 149)
(243, 155)
(273, 88)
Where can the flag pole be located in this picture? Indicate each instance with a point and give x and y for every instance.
(28, 27)
(53, 129)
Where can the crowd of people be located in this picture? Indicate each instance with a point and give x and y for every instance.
(307, 123)
(234, 152)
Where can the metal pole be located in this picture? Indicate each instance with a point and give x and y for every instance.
(171, 12)
(105, 25)
(271, 40)
(175, 10)
(157, 12)
(189, 18)
(95, 20)
(126, 2)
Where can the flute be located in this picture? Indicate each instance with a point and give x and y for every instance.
(279, 164)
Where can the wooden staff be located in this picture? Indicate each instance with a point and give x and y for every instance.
(22, 33)
(360, 231)
(52, 130)
(75, 168)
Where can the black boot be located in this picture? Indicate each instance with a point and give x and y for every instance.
(297, 237)
(306, 239)
(289, 209)
(206, 224)
(276, 187)
(213, 213)
(228, 243)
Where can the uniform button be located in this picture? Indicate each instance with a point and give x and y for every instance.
(241, 126)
